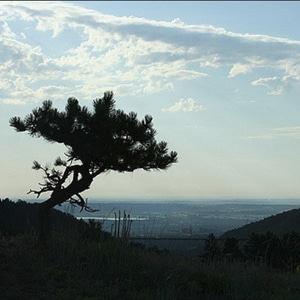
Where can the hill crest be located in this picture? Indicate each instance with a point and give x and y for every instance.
(279, 224)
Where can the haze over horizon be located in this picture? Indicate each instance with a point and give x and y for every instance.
(220, 79)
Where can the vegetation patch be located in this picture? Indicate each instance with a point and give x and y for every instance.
(83, 262)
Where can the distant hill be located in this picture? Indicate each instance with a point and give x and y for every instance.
(280, 224)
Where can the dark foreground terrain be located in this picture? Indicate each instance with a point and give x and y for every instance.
(80, 261)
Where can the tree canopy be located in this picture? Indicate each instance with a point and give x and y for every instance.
(105, 139)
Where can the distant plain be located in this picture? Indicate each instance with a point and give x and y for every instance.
(182, 218)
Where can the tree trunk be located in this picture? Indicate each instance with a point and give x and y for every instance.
(59, 196)
(45, 220)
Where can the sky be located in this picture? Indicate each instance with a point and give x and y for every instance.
(220, 79)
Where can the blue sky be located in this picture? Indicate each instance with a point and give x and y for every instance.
(221, 80)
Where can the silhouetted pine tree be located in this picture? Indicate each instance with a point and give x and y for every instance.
(97, 142)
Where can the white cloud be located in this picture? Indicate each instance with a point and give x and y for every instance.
(5, 31)
(187, 105)
(281, 132)
(238, 69)
(177, 21)
(275, 84)
(139, 55)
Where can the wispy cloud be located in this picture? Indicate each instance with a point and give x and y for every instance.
(187, 105)
(282, 132)
(127, 54)
(275, 85)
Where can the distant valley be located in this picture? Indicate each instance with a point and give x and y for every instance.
(155, 218)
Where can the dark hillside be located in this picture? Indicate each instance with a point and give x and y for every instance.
(279, 224)
(21, 217)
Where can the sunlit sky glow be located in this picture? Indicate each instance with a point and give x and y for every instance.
(221, 80)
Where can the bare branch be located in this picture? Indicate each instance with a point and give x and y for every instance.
(42, 190)
(82, 203)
